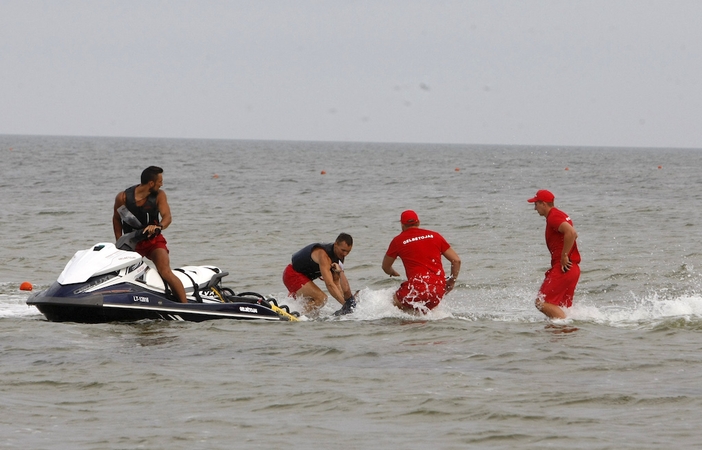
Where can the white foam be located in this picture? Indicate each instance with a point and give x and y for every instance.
(517, 305)
(650, 309)
(15, 305)
(371, 305)
(493, 304)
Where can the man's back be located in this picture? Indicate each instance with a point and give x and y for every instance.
(420, 251)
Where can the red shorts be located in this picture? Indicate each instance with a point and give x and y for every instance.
(294, 280)
(559, 287)
(144, 248)
(418, 293)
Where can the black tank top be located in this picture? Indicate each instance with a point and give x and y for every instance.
(147, 213)
(302, 260)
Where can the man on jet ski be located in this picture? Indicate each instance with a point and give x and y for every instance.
(136, 213)
(325, 261)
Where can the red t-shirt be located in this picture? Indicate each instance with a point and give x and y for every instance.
(420, 251)
(554, 239)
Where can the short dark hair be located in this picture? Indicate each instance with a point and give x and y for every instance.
(343, 237)
(150, 174)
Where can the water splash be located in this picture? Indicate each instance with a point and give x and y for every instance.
(517, 305)
(496, 304)
(653, 309)
(13, 302)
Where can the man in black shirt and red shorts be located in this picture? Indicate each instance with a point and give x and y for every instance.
(144, 208)
(325, 261)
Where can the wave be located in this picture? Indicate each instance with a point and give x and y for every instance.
(652, 310)
(15, 306)
(517, 305)
(507, 304)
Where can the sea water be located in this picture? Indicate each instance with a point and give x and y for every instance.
(484, 370)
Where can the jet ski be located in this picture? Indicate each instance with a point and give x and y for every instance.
(108, 284)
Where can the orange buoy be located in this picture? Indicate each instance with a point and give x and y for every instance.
(215, 176)
(566, 168)
(26, 286)
(457, 169)
(660, 167)
(324, 172)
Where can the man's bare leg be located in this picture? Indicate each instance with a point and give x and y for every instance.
(552, 311)
(317, 298)
(163, 264)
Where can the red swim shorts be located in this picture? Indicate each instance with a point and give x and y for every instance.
(144, 248)
(421, 294)
(558, 287)
(294, 280)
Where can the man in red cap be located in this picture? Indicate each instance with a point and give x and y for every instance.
(420, 251)
(559, 285)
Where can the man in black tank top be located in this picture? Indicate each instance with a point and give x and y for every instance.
(325, 261)
(139, 208)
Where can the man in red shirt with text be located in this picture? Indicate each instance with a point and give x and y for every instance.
(558, 287)
(420, 251)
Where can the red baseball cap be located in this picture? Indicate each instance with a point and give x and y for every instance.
(543, 196)
(409, 217)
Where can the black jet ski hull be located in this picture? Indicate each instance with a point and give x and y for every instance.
(122, 303)
(106, 284)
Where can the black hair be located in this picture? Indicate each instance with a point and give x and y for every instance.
(150, 174)
(343, 237)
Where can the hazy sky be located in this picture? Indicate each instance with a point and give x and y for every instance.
(553, 72)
